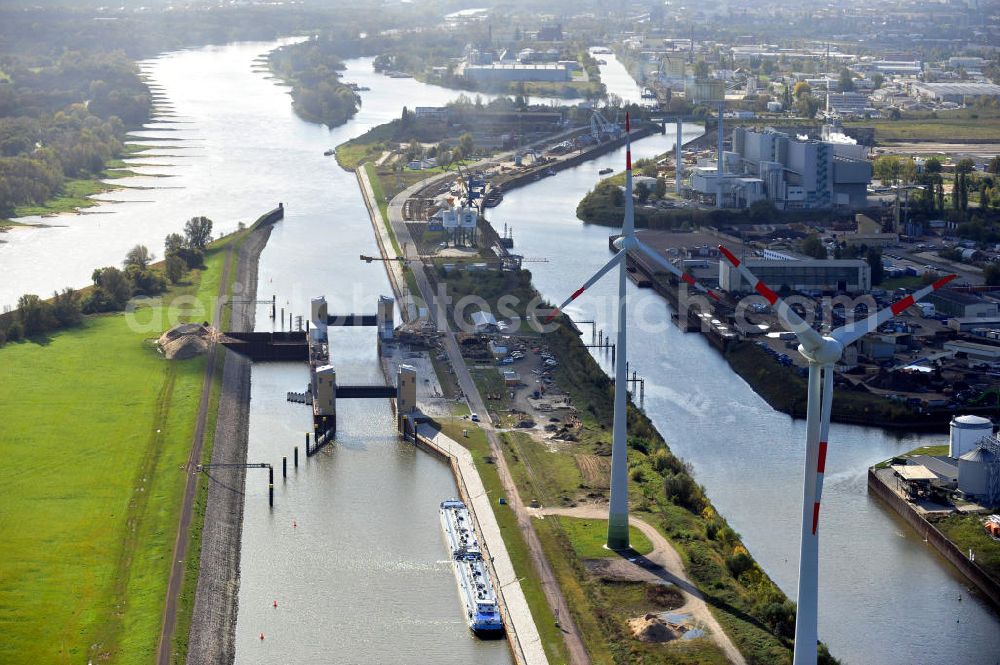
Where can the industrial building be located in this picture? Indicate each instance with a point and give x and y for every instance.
(845, 275)
(790, 172)
(962, 305)
(958, 93)
(516, 71)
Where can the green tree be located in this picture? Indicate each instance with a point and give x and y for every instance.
(877, 80)
(114, 286)
(34, 314)
(66, 307)
(139, 256)
(874, 258)
(846, 82)
(701, 69)
(173, 244)
(994, 165)
(813, 246)
(801, 89)
(466, 144)
(893, 169)
(932, 165)
(661, 188)
(198, 232)
(807, 105)
(642, 192)
(175, 268)
(965, 166)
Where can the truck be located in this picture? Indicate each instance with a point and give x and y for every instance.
(927, 309)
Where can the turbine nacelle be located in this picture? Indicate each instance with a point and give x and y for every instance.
(626, 242)
(829, 352)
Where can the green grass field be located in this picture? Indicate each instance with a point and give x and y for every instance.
(588, 537)
(96, 432)
(944, 129)
(74, 195)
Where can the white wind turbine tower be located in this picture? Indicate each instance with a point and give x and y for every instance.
(822, 352)
(618, 509)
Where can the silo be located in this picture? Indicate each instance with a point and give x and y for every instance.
(976, 471)
(966, 431)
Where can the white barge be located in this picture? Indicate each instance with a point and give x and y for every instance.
(475, 589)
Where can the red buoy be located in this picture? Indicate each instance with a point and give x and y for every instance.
(295, 525)
(262, 637)
(275, 603)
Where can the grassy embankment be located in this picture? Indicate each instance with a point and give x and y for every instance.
(753, 611)
(97, 432)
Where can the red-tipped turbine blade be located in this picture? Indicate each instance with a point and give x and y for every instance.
(824, 437)
(852, 332)
(620, 256)
(670, 267)
(808, 337)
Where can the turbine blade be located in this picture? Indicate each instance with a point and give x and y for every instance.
(620, 256)
(671, 268)
(628, 225)
(852, 332)
(808, 337)
(824, 436)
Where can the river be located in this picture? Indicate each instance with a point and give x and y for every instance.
(352, 551)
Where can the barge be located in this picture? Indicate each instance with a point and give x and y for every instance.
(482, 612)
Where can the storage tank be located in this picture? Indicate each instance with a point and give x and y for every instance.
(976, 471)
(966, 431)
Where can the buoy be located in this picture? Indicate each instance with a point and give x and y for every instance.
(262, 637)
(275, 603)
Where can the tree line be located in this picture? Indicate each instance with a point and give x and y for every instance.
(112, 287)
(63, 118)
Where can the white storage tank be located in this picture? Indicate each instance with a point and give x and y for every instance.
(976, 469)
(966, 431)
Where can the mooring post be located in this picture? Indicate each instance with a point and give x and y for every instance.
(612, 354)
(296, 457)
(274, 303)
(307, 444)
(282, 318)
(289, 322)
(284, 467)
(270, 486)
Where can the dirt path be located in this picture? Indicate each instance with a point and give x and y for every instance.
(184, 526)
(667, 566)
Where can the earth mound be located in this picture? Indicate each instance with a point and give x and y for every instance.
(184, 341)
(651, 628)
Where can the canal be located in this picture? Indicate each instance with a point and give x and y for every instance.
(352, 551)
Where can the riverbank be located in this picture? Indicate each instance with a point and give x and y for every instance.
(122, 468)
(880, 484)
(212, 605)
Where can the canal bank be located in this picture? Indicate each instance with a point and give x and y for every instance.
(880, 484)
(213, 623)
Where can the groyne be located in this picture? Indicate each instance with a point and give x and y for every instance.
(213, 624)
(947, 549)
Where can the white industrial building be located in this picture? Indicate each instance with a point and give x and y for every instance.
(516, 71)
(793, 173)
(959, 93)
(845, 275)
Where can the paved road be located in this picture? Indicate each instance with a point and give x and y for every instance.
(553, 594)
(668, 568)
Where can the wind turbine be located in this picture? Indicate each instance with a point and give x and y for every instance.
(822, 352)
(618, 508)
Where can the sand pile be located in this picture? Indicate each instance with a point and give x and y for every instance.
(184, 341)
(651, 628)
